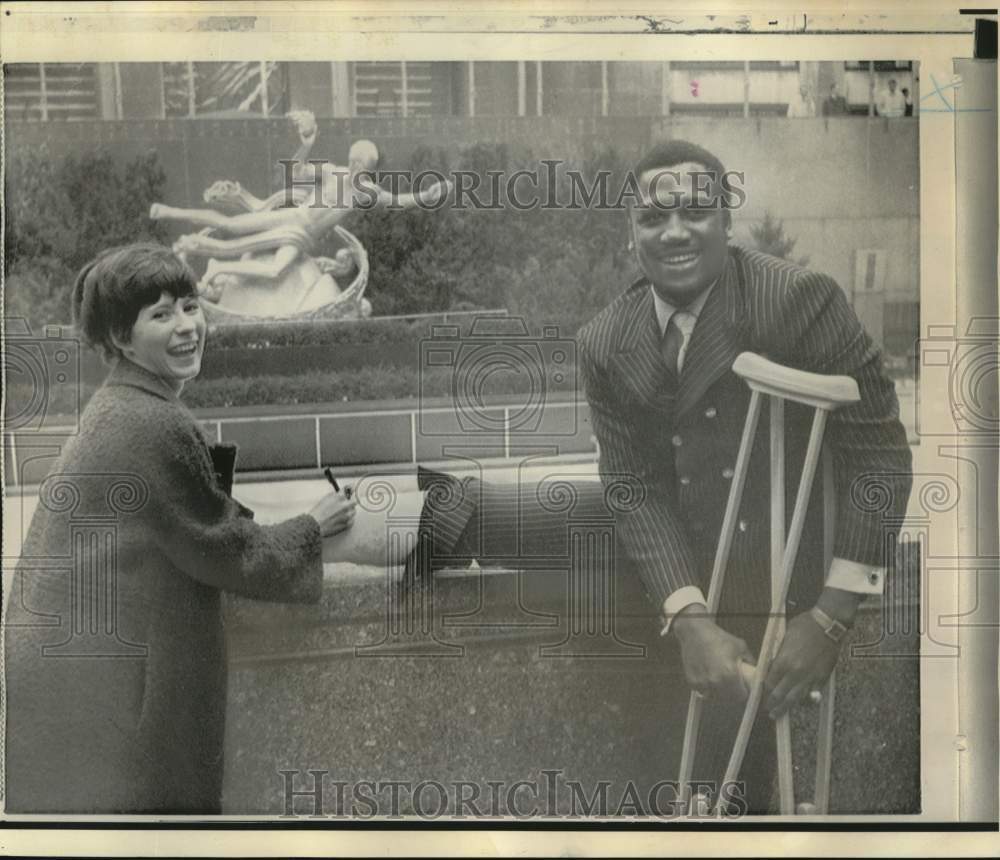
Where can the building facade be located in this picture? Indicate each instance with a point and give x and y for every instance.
(40, 92)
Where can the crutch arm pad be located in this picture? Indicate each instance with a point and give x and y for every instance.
(813, 389)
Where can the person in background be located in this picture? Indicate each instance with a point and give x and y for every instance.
(835, 104)
(891, 103)
(802, 104)
(908, 111)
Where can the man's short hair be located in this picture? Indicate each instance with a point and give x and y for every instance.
(670, 153)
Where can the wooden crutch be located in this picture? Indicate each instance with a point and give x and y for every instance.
(824, 734)
(823, 393)
(783, 725)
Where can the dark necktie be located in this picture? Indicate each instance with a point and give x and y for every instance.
(670, 346)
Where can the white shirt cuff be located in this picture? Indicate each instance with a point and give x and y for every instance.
(678, 600)
(845, 575)
(855, 576)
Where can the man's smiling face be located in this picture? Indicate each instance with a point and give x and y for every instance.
(680, 230)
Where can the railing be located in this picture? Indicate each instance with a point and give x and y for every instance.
(344, 435)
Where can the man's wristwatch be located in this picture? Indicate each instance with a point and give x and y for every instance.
(831, 628)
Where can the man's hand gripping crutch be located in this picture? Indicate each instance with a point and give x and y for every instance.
(824, 394)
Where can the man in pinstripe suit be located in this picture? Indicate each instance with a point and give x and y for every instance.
(668, 410)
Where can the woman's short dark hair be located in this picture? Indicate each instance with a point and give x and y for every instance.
(117, 284)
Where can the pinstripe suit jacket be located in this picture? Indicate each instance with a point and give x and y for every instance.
(679, 436)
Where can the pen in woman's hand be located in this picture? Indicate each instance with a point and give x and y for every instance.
(348, 492)
(329, 476)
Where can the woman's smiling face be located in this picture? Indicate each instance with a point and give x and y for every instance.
(168, 339)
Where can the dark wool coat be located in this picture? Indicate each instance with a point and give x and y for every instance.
(115, 662)
(678, 438)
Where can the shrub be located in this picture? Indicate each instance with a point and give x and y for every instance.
(375, 330)
(369, 383)
(60, 214)
(769, 237)
(560, 263)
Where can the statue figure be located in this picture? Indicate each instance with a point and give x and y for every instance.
(267, 265)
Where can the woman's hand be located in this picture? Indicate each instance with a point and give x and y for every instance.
(334, 513)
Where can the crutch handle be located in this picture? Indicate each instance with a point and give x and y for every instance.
(813, 389)
(747, 671)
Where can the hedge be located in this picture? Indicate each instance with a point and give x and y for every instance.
(369, 383)
(326, 333)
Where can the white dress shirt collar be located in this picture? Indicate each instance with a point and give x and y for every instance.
(665, 310)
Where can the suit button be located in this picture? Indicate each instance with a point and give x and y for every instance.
(743, 525)
(677, 441)
(710, 412)
(727, 473)
(685, 480)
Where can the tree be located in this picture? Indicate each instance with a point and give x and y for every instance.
(769, 237)
(62, 213)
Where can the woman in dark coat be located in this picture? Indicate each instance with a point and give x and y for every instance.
(114, 650)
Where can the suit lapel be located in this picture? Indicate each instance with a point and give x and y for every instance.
(637, 353)
(715, 342)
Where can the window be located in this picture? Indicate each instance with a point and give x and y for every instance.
(572, 89)
(880, 65)
(404, 88)
(495, 88)
(51, 91)
(219, 89)
(734, 65)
